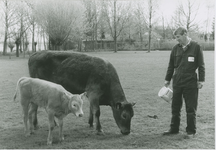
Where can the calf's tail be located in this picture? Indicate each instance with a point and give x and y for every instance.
(17, 87)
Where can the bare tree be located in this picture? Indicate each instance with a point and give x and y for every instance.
(91, 20)
(186, 14)
(152, 6)
(56, 18)
(141, 23)
(21, 27)
(213, 29)
(32, 19)
(9, 21)
(146, 14)
(117, 15)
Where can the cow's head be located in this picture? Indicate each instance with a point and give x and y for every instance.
(123, 112)
(76, 103)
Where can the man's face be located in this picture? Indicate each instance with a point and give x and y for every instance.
(181, 38)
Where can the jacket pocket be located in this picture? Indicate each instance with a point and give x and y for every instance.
(177, 60)
(191, 63)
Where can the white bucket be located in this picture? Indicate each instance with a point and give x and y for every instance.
(166, 94)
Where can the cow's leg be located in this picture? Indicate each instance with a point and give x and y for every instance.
(51, 127)
(96, 113)
(35, 120)
(91, 117)
(93, 97)
(61, 136)
(33, 108)
(25, 106)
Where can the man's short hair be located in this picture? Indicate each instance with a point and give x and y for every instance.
(180, 30)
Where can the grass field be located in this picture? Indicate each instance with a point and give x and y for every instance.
(141, 75)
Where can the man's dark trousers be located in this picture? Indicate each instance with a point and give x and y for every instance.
(190, 96)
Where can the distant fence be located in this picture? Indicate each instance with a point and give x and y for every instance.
(207, 45)
(125, 46)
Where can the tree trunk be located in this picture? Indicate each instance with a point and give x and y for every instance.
(141, 37)
(150, 26)
(80, 45)
(33, 45)
(115, 38)
(17, 50)
(93, 39)
(6, 29)
(149, 39)
(17, 42)
(5, 44)
(21, 34)
(44, 41)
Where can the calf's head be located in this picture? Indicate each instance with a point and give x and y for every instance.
(123, 112)
(76, 103)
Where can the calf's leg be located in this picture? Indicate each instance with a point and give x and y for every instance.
(35, 120)
(61, 136)
(32, 110)
(25, 106)
(51, 127)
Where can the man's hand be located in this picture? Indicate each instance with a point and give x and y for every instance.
(199, 85)
(166, 83)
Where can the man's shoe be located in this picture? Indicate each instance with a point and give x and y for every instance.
(169, 132)
(190, 135)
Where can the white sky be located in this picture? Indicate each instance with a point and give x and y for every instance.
(167, 7)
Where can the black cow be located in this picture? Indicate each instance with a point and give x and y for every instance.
(77, 73)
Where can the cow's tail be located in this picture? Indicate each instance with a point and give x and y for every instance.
(17, 87)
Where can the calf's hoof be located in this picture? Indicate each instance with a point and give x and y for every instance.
(49, 142)
(27, 133)
(100, 132)
(32, 132)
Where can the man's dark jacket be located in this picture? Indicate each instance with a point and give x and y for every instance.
(183, 65)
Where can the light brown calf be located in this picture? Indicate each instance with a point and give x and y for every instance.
(53, 97)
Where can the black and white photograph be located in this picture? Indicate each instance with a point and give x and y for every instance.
(107, 74)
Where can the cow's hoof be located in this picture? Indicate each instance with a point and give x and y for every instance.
(90, 125)
(100, 132)
(36, 127)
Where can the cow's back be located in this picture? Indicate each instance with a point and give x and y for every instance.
(76, 72)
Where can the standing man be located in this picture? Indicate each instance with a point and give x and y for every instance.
(186, 57)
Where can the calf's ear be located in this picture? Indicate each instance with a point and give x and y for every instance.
(64, 96)
(133, 103)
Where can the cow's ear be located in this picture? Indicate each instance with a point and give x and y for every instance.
(118, 105)
(83, 95)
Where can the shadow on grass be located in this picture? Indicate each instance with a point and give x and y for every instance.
(13, 138)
